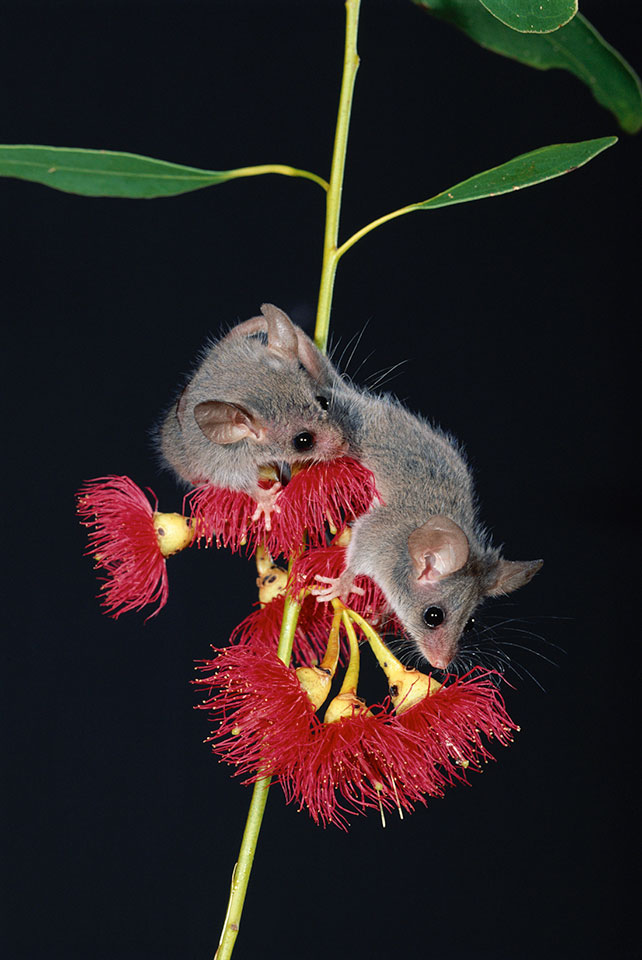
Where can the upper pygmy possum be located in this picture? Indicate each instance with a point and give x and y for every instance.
(260, 396)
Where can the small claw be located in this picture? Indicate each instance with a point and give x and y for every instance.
(266, 504)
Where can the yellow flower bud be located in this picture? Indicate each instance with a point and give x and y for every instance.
(345, 705)
(316, 681)
(173, 532)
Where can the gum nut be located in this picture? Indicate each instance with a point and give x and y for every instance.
(273, 585)
(316, 682)
(410, 687)
(345, 705)
(173, 531)
(344, 537)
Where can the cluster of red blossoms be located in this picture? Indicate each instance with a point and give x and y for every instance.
(374, 757)
(130, 540)
(422, 737)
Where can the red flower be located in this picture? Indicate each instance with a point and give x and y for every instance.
(371, 759)
(330, 493)
(330, 562)
(361, 762)
(129, 541)
(451, 721)
(263, 712)
(225, 517)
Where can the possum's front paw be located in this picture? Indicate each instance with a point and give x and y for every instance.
(266, 503)
(337, 588)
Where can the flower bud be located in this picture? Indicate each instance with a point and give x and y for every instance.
(173, 531)
(346, 705)
(316, 681)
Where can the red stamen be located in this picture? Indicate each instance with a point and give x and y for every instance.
(124, 543)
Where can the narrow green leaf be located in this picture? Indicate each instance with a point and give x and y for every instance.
(523, 171)
(532, 16)
(105, 173)
(576, 47)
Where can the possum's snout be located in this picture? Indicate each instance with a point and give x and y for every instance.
(438, 655)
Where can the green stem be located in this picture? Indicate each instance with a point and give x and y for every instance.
(242, 869)
(371, 226)
(241, 875)
(243, 866)
(275, 168)
(333, 199)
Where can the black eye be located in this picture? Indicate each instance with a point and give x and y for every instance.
(323, 402)
(303, 441)
(433, 616)
(470, 624)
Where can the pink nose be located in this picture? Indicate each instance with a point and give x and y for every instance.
(439, 662)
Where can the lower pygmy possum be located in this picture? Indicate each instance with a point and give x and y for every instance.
(424, 545)
(259, 396)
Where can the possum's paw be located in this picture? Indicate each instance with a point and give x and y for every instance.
(266, 504)
(337, 588)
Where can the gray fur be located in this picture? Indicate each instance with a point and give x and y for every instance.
(272, 387)
(420, 472)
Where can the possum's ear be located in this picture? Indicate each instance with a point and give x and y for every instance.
(281, 334)
(282, 338)
(511, 574)
(437, 549)
(226, 422)
(314, 361)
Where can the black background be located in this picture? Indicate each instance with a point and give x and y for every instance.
(516, 320)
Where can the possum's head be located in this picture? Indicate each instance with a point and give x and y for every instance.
(448, 581)
(265, 386)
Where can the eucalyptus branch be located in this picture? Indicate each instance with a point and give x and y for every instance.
(243, 867)
(333, 200)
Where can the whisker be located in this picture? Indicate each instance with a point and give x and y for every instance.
(383, 376)
(355, 341)
(535, 653)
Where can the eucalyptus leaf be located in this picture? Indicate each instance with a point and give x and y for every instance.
(576, 47)
(523, 171)
(105, 173)
(532, 16)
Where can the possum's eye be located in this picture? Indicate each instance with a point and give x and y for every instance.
(323, 402)
(303, 441)
(433, 616)
(470, 624)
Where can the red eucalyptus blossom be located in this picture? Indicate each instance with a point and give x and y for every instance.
(372, 758)
(452, 720)
(130, 541)
(330, 493)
